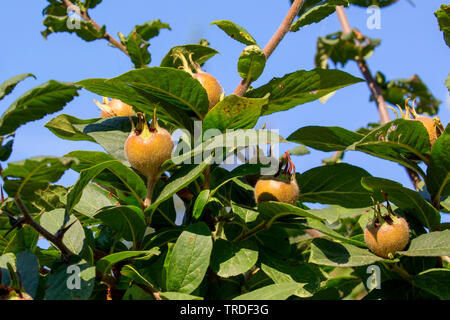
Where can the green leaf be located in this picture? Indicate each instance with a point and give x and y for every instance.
(104, 264)
(85, 30)
(245, 214)
(434, 281)
(91, 3)
(128, 221)
(45, 99)
(280, 291)
(368, 3)
(27, 265)
(438, 171)
(8, 86)
(273, 209)
(397, 90)
(316, 13)
(305, 275)
(150, 29)
(411, 202)
(234, 112)
(319, 226)
(200, 203)
(180, 179)
(230, 258)
(334, 184)
(178, 296)
(154, 85)
(6, 150)
(74, 281)
(63, 126)
(19, 240)
(330, 253)
(128, 177)
(138, 50)
(189, 259)
(431, 244)
(200, 54)
(251, 63)
(301, 87)
(93, 199)
(235, 31)
(443, 17)
(55, 220)
(34, 173)
(325, 138)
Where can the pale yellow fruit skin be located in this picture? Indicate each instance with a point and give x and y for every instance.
(211, 85)
(429, 124)
(387, 238)
(147, 155)
(273, 189)
(118, 109)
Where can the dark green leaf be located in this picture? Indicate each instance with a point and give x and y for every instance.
(409, 201)
(368, 3)
(55, 220)
(34, 173)
(280, 291)
(45, 99)
(301, 87)
(189, 259)
(200, 54)
(234, 112)
(200, 203)
(27, 265)
(330, 253)
(63, 126)
(128, 221)
(317, 12)
(334, 184)
(85, 30)
(230, 258)
(8, 86)
(431, 244)
(443, 17)
(104, 264)
(435, 281)
(138, 50)
(438, 171)
(251, 63)
(235, 31)
(178, 296)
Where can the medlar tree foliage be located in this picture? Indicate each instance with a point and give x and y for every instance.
(118, 229)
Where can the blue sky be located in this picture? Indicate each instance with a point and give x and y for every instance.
(411, 43)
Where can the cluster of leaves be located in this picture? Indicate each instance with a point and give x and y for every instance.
(226, 246)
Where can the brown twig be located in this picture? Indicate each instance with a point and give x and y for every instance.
(28, 219)
(84, 14)
(275, 40)
(374, 88)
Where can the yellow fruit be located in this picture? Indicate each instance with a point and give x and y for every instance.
(388, 237)
(211, 85)
(114, 108)
(148, 148)
(282, 189)
(430, 125)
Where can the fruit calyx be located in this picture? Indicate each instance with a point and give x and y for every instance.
(114, 108)
(209, 83)
(281, 187)
(433, 125)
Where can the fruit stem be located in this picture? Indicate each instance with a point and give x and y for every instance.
(151, 182)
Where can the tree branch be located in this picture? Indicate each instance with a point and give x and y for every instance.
(84, 14)
(275, 40)
(374, 88)
(28, 219)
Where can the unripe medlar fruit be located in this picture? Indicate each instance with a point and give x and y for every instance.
(281, 187)
(387, 237)
(114, 108)
(209, 83)
(148, 148)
